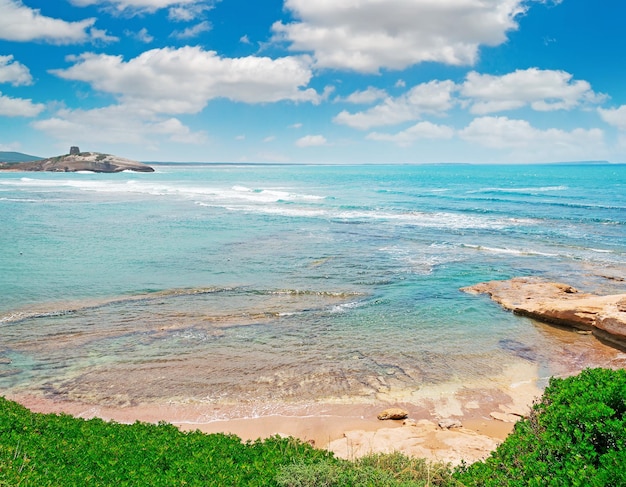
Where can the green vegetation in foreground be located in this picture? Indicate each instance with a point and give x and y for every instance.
(59, 450)
(575, 435)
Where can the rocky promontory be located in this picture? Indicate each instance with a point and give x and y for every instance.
(81, 161)
(561, 304)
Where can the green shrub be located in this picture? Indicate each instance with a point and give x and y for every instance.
(575, 435)
(58, 450)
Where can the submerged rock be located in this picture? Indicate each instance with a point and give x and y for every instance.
(560, 304)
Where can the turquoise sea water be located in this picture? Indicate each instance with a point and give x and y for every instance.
(243, 283)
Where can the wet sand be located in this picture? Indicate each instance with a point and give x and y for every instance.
(486, 416)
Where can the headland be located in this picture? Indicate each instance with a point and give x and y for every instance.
(80, 161)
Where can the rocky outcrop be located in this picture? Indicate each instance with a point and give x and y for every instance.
(560, 304)
(83, 161)
(393, 413)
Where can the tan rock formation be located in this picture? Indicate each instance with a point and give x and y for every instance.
(393, 413)
(560, 304)
(424, 439)
(82, 161)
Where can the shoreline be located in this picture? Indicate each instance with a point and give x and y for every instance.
(450, 424)
(348, 431)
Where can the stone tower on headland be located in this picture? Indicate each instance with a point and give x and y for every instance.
(74, 150)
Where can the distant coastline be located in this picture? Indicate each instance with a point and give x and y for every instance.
(14, 161)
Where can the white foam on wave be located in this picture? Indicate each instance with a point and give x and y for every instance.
(20, 200)
(235, 193)
(438, 219)
(600, 251)
(443, 220)
(530, 189)
(272, 195)
(509, 251)
(422, 261)
(345, 307)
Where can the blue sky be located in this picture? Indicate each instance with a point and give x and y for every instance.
(329, 81)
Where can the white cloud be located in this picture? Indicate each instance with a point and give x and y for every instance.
(142, 36)
(21, 23)
(311, 141)
(366, 35)
(614, 116)
(193, 31)
(533, 144)
(434, 97)
(183, 10)
(269, 138)
(190, 11)
(367, 96)
(100, 37)
(184, 80)
(421, 130)
(116, 124)
(14, 72)
(18, 107)
(542, 90)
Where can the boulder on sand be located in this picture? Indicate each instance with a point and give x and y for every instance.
(393, 413)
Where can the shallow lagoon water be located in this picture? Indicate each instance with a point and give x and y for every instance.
(240, 285)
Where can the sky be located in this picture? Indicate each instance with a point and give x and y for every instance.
(316, 81)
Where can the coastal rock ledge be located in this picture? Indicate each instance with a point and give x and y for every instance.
(560, 304)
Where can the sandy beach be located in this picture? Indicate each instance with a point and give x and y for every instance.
(449, 424)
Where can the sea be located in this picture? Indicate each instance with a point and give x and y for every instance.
(247, 284)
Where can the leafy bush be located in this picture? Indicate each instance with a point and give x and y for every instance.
(575, 435)
(59, 450)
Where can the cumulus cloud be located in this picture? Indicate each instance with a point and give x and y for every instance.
(179, 9)
(184, 80)
(21, 23)
(367, 35)
(187, 13)
(614, 116)
(142, 35)
(100, 37)
(542, 90)
(421, 130)
(193, 31)
(14, 72)
(116, 124)
(434, 97)
(364, 97)
(529, 142)
(19, 107)
(311, 141)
